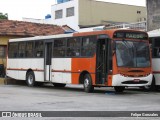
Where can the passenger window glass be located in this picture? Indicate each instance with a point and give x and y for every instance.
(155, 47)
(13, 50)
(29, 49)
(73, 47)
(21, 50)
(59, 48)
(39, 49)
(88, 46)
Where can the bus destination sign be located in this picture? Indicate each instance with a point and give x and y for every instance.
(130, 35)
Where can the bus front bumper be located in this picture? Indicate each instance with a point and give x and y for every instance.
(119, 80)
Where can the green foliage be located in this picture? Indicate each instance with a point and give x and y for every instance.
(4, 16)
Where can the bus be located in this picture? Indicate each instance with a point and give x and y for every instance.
(108, 58)
(154, 37)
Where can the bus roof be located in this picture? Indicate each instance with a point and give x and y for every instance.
(109, 32)
(41, 37)
(154, 33)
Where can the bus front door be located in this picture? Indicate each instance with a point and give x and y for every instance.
(48, 61)
(102, 61)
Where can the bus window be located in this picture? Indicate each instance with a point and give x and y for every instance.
(155, 47)
(29, 49)
(88, 46)
(21, 50)
(13, 50)
(39, 49)
(59, 48)
(73, 47)
(132, 54)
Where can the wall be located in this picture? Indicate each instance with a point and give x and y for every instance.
(42, 21)
(91, 12)
(153, 14)
(4, 41)
(97, 12)
(70, 21)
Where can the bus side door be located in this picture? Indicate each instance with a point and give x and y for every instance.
(48, 61)
(103, 59)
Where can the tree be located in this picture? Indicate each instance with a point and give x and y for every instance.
(4, 16)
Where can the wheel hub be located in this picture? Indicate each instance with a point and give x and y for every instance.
(30, 79)
(86, 82)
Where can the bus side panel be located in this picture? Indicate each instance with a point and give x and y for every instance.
(12, 69)
(83, 64)
(19, 68)
(61, 70)
(156, 70)
(109, 83)
(37, 66)
(11, 63)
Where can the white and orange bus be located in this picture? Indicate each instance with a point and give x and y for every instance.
(154, 37)
(115, 58)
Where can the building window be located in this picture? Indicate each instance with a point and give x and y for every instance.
(138, 12)
(70, 12)
(58, 14)
(2, 51)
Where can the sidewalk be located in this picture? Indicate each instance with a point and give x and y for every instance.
(10, 81)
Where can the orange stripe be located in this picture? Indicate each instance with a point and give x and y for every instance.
(67, 71)
(22, 69)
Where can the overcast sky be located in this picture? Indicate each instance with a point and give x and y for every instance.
(17, 9)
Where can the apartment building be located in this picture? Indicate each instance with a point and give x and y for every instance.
(88, 13)
(153, 14)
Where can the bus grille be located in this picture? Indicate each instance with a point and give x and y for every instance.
(133, 82)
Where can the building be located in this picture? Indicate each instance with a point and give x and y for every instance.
(16, 29)
(89, 13)
(153, 14)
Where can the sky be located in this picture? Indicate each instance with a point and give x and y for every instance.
(38, 9)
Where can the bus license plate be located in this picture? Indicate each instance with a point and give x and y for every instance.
(136, 80)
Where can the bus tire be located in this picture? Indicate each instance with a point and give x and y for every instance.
(88, 87)
(119, 89)
(151, 87)
(30, 79)
(59, 85)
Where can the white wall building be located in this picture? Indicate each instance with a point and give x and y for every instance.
(79, 14)
(66, 14)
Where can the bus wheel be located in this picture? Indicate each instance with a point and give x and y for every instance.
(151, 87)
(30, 79)
(59, 85)
(119, 89)
(88, 87)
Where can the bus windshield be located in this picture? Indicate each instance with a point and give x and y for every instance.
(132, 54)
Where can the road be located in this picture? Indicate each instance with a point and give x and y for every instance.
(73, 98)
